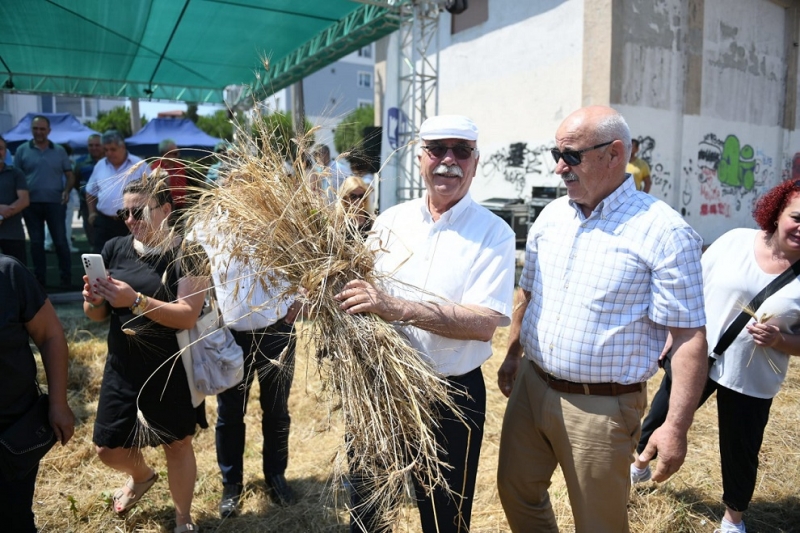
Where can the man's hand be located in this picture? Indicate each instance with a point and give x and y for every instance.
(507, 373)
(358, 296)
(670, 444)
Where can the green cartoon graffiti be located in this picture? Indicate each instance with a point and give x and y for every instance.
(737, 165)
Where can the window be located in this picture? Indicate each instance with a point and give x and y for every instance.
(69, 104)
(365, 79)
(477, 13)
(364, 103)
(365, 51)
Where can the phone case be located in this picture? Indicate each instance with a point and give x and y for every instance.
(94, 267)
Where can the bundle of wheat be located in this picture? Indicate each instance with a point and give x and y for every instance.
(273, 218)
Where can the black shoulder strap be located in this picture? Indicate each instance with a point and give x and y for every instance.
(774, 286)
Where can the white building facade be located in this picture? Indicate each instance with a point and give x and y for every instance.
(710, 87)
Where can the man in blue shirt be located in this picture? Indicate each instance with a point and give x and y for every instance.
(45, 165)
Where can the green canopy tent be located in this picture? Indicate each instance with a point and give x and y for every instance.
(186, 50)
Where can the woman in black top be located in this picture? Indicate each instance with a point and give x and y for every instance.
(144, 396)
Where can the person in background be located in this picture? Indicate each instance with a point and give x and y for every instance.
(262, 322)
(84, 166)
(219, 155)
(169, 160)
(448, 310)
(73, 204)
(355, 197)
(609, 271)
(104, 189)
(28, 316)
(13, 200)
(638, 168)
(154, 288)
(330, 173)
(749, 374)
(45, 164)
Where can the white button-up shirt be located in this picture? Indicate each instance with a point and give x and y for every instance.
(466, 257)
(108, 182)
(604, 289)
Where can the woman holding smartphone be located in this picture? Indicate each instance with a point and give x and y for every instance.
(152, 290)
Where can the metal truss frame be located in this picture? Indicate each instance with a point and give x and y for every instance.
(419, 87)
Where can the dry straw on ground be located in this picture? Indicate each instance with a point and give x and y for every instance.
(73, 487)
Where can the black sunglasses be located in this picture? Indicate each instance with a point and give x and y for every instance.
(354, 197)
(460, 151)
(137, 213)
(573, 157)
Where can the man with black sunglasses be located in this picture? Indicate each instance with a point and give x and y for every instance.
(104, 189)
(609, 271)
(449, 269)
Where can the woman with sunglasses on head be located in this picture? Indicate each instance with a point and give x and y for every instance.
(153, 289)
(750, 372)
(355, 198)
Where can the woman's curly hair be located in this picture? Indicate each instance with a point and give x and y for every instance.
(771, 205)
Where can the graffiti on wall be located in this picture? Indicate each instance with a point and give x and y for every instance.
(519, 162)
(730, 175)
(660, 179)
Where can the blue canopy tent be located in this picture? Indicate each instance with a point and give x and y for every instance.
(183, 131)
(64, 129)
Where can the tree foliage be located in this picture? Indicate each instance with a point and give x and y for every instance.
(118, 118)
(217, 125)
(279, 124)
(349, 133)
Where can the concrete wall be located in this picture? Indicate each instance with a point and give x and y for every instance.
(710, 86)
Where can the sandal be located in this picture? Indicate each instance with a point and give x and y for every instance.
(186, 527)
(123, 502)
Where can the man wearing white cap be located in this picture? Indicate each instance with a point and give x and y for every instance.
(451, 264)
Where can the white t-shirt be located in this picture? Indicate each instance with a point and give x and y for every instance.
(732, 278)
(466, 257)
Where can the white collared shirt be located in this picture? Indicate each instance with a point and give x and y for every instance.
(245, 302)
(466, 257)
(108, 182)
(604, 289)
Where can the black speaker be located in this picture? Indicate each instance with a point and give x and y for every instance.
(455, 7)
(371, 147)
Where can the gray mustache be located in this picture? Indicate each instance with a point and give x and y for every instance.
(449, 169)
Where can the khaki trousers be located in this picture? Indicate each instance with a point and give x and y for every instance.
(591, 437)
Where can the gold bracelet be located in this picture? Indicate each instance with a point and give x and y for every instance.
(140, 304)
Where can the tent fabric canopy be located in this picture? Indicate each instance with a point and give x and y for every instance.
(64, 129)
(186, 50)
(181, 130)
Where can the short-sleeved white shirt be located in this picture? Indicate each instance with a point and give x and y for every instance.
(466, 257)
(732, 279)
(604, 289)
(107, 183)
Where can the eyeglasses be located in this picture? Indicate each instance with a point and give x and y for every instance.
(573, 157)
(460, 151)
(137, 213)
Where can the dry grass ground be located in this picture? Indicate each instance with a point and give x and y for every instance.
(74, 488)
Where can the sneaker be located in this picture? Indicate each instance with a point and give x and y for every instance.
(728, 527)
(640, 477)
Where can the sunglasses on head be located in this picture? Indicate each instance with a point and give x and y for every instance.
(137, 213)
(573, 157)
(460, 151)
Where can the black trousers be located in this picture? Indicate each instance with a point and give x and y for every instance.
(260, 347)
(441, 511)
(741, 421)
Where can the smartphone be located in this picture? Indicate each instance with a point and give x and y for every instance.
(94, 267)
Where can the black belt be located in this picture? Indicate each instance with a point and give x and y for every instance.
(591, 389)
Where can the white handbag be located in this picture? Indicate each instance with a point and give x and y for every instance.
(212, 359)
